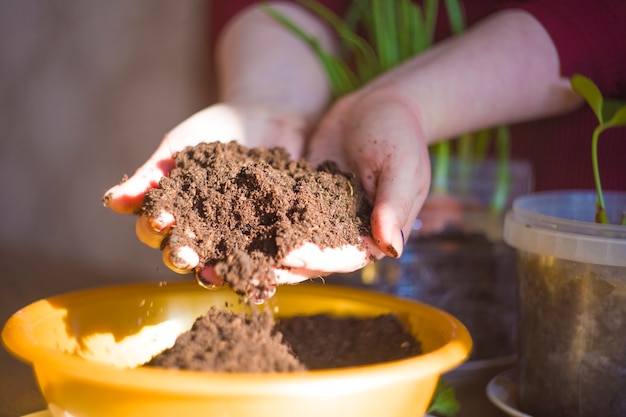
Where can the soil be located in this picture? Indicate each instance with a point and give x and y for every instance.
(572, 324)
(243, 209)
(253, 342)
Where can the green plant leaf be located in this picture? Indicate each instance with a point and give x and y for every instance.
(618, 118)
(481, 143)
(455, 16)
(365, 56)
(503, 174)
(410, 24)
(342, 79)
(444, 401)
(441, 166)
(590, 92)
(611, 110)
(385, 33)
(431, 8)
(356, 12)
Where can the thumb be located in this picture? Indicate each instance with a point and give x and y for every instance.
(390, 152)
(127, 196)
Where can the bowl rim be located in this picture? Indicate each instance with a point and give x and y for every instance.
(454, 351)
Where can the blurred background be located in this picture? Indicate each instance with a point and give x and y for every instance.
(87, 90)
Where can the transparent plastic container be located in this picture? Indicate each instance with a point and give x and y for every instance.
(572, 304)
(456, 259)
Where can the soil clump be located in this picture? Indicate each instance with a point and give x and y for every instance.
(242, 209)
(253, 342)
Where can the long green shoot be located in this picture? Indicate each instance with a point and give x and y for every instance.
(609, 114)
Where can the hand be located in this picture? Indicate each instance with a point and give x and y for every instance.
(376, 134)
(249, 125)
(252, 127)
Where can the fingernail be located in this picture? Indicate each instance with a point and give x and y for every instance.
(397, 241)
(149, 232)
(162, 222)
(206, 278)
(181, 261)
(106, 198)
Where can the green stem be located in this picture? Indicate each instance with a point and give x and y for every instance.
(441, 167)
(503, 174)
(601, 216)
(465, 161)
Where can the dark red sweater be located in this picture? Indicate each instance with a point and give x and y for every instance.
(590, 36)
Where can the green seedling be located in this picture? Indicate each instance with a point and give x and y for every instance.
(610, 113)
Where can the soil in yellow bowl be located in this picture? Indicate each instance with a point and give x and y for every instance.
(86, 348)
(225, 341)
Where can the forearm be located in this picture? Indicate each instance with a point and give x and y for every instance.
(503, 70)
(260, 62)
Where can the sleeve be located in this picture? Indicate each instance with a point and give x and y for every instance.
(590, 36)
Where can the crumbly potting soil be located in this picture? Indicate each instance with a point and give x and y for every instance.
(243, 209)
(253, 342)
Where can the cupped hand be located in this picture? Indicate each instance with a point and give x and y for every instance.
(301, 263)
(251, 127)
(378, 135)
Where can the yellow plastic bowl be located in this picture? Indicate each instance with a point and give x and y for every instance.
(84, 347)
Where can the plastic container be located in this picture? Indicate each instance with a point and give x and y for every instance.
(85, 348)
(456, 260)
(572, 299)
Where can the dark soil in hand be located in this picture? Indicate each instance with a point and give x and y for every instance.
(243, 209)
(224, 341)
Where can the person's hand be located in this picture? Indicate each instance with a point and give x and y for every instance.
(251, 127)
(377, 135)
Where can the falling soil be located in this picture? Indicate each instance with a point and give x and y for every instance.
(244, 209)
(225, 341)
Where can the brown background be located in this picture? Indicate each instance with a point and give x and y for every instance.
(87, 90)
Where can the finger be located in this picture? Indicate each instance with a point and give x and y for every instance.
(183, 260)
(208, 278)
(318, 260)
(211, 124)
(398, 199)
(127, 196)
(290, 276)
(152, 231)
(394, 168)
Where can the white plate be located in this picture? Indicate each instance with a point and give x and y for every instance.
(502, 392)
